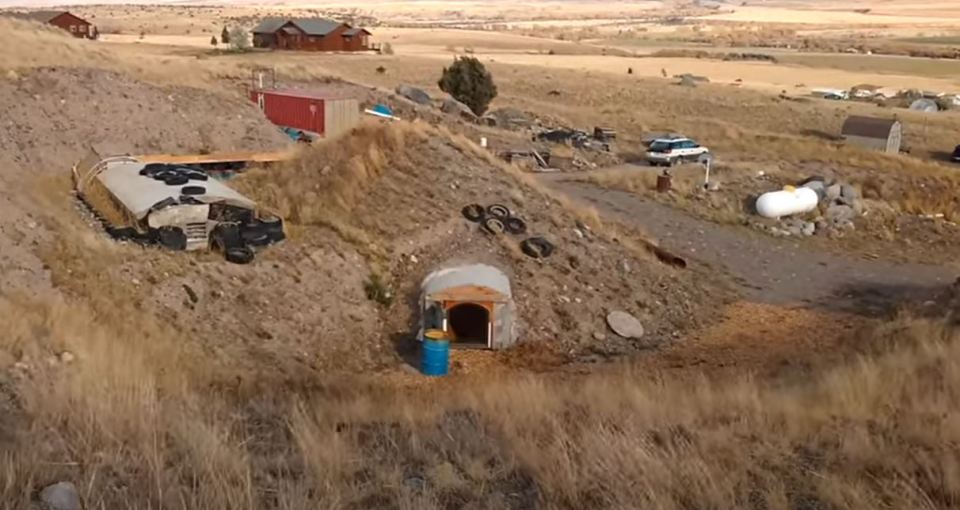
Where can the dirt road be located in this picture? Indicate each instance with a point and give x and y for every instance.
(769, 270)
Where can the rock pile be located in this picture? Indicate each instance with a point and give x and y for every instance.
(840, 204)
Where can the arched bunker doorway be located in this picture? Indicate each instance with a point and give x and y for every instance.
(470, 323)
(472, 304)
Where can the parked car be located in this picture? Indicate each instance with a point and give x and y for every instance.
(956, 154)
(671, 151)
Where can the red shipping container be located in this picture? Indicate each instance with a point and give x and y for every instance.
(295, 109)
(321, 113)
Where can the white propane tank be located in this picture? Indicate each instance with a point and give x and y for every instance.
(787, 201)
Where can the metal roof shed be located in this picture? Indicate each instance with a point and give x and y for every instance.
(472, 303)
(883, 135)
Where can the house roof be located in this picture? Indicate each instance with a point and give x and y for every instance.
(356, 31)
(869, 127)
(43, 16)
(309, 26)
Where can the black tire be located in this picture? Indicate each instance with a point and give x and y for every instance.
(193, 190)
(473, 212)
(152, 169)
(515, 225)
(239, 255)
(176, 180)
(273, 226)
(537, 247)
(197, 176)
(494, 225)
(163, 174)
(225, 236)
(498, 211)
(255, 235)
(172, 238)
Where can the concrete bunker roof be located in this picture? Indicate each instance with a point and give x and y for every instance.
(470, 282)
(139, 193)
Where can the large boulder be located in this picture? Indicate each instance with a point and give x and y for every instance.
(414, 94)
(625, 325)
(453, 107)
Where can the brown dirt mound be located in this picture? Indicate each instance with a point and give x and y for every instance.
(395, 191)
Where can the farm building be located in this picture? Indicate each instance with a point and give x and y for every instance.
(65, 20)
(472, 303)
(314, 113)
(883, 135)
(310, 34)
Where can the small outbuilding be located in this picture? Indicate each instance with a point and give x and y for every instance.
(873, 133)
(472, 303)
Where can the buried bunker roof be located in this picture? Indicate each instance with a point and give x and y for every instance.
(139, 193)
(473, 282)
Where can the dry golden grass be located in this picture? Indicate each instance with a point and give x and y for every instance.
(134, 427)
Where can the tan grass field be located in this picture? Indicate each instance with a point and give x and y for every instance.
(767, 406)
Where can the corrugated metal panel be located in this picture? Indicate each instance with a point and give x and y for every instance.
(285, 109)
(341, 116)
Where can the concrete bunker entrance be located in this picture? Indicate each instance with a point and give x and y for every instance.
(470, 324)
(472, 304)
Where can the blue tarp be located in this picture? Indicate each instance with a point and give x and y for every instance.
(383, 109)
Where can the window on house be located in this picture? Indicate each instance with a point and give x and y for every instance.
(83, 29)
(73, 28)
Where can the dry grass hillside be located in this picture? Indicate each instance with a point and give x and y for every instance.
(137, 423)
(396, 191)
(155, 379)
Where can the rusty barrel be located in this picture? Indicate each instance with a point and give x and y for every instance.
(664, 183)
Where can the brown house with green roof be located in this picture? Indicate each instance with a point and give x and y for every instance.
(310, 34)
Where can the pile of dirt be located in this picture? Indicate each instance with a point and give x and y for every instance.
(52, 117)
(396, 191)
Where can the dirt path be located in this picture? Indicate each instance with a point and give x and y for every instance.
(769, 270)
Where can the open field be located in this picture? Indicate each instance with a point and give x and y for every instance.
(771, 373)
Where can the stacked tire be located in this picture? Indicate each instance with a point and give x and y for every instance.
(498, 219)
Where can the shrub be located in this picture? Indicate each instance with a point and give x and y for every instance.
(386, 49)
(225, 36)
(213, 41)
(469, 82)
(238, 39)
(378, 291)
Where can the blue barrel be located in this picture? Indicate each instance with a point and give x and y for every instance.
(436, 354)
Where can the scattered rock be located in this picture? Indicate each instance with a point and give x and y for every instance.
(849, 192)
(809, 228)
(625, 325)
(598, 336)
(832, 192)
(417, 483)
(61, 496)
(191, 294)
(67, 357)
(840, 213)
(414, 94)
(453, 107)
